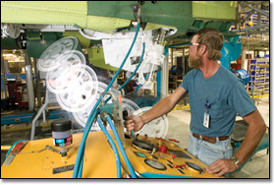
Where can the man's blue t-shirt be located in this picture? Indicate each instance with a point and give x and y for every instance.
(226, 95)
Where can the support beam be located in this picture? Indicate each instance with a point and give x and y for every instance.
(164, 78)
(254, 8)
(29, 80)
(4, 76)
(247, 17)
(238, 16)
(259, 18)
(172, 56)
(244, 64)
(265, 7)
(252, 28)
(254, 32)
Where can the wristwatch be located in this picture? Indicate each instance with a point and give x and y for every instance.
(236, 161)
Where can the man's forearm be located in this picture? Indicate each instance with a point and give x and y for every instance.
(159, 109)
(252, 139)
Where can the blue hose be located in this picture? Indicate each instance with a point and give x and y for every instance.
(128, 164)
(141, 58)
(79, 158)
(112, 143)
(12, 147)
(135, 92)
(121, 88)
(81, 168)
(93, 115)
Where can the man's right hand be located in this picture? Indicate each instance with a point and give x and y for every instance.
(134, 123)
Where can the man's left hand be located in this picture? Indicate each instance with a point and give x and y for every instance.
(222, 166)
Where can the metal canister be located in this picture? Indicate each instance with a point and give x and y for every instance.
(62, 134)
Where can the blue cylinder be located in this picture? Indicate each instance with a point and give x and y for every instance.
(243, 75)
(176, 70)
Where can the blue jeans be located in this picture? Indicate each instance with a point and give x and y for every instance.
(209, 152)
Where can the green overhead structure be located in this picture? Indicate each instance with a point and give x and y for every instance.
(225, 10)
(44, 12)
(35, 46)
(106, 16)
(9, 43)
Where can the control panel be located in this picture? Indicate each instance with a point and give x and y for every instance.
(150, 158)
(163, 158)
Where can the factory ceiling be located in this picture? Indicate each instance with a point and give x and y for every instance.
(255, 17)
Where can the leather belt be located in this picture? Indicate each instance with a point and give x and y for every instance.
(210, 139)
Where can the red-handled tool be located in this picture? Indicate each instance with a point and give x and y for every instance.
(18, 147)
(159, 138)
(174, 140)
(173, 156)
(177, 166)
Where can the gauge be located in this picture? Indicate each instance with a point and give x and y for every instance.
(193, 167)
(155, 164)
(143, 145)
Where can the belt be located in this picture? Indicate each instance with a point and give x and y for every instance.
(210, 139)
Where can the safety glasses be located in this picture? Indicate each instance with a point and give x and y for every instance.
(192, 44)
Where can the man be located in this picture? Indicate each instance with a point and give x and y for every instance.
(215, 96)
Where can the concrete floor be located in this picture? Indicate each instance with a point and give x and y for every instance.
(179, 121)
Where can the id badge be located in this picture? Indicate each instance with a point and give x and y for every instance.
(206, 120)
